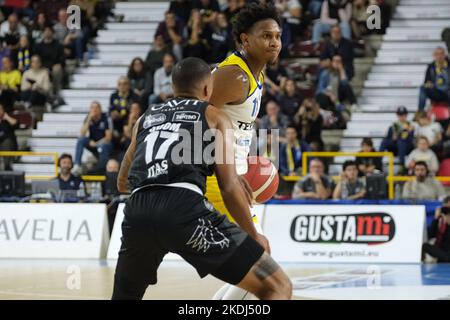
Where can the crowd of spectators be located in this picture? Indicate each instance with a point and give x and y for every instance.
(36, 45)
(202, 28)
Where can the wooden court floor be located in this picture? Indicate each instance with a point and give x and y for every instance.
(88, 279)
(92, 279)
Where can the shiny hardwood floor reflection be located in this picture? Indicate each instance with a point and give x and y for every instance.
(92, 279)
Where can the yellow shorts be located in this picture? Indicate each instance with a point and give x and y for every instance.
(215, 197)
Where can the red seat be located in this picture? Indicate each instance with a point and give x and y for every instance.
(444, 171)
(441, 111)
(24, 118)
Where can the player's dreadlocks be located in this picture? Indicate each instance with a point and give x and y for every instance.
(251, 14)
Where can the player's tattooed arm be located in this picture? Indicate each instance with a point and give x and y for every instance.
(122, 179)
(231, 86)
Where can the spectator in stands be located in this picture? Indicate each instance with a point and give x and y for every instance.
(8, 140)
(440, 231)
(22, 55)
(423, 153)
(289, 98)
(155, 56)
(35, 87)
(208, 9)
(9, 84)
(96, 136)
(291, 153)
(333, 88)
(424, 186)
(37, 28)
(181, 9)
(400, 136)
(233, 7)
(274, 119)
(292, 13)
(359, 18)
(337, 45)
(276, 75)
(87, 19)
(309, 121)
(52, 57)
(431, 130)
(112, 166)
(333, 12)
(11, 30)
(446, 37)
(138, 76)
(162, 80)
(135, 113)
(350, 187)
(71, 39)
(436, 86)
(315, 7)
(119, 105)
(368, 165)
(446, 143)
(199, 35)
(4, 52)
(316, 185)
(221, 40)
(68, 181)
(51, 8)
(269, 147)
(172, 32)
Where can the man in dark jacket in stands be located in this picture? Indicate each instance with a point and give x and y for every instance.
(52, 56)
(437, 80)
(440, 229)
(338, 45)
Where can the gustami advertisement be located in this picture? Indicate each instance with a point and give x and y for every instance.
(345, 233)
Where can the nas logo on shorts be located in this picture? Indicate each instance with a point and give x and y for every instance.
(205, 236)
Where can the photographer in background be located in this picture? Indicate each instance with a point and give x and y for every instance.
(309, 122)
(440, 229)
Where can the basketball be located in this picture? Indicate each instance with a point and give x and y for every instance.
(262, 177)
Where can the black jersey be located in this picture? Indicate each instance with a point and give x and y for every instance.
(172, 145)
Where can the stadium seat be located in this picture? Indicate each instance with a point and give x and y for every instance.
(440, 111)
(24, 118)
(444, 171)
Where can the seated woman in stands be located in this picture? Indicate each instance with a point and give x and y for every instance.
(36, 84)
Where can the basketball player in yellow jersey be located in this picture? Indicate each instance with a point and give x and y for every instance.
(238, 85)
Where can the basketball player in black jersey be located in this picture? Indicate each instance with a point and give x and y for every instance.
(167, 210)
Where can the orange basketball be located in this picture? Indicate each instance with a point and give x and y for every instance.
(263, 178)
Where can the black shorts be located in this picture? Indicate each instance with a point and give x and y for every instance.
(159, 220)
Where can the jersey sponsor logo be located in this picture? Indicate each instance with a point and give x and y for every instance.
(158, 169)
(245, 125)
(364, 228)
(153, 120)
(244, 142)
(206, 235)
(186, 116)
(175, 103)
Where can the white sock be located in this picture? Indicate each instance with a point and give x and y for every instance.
(221, 292)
